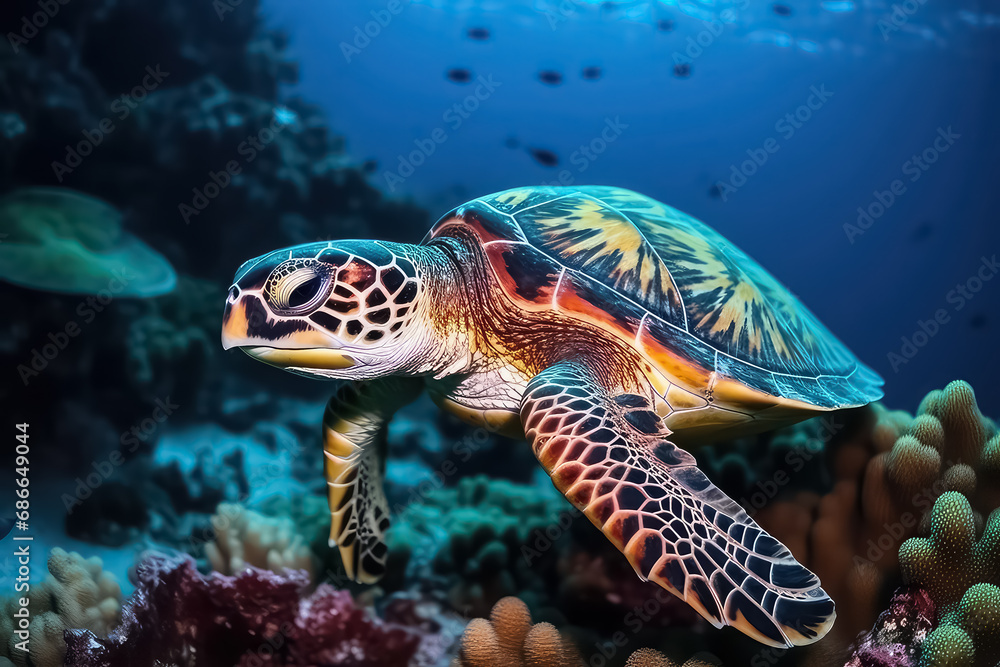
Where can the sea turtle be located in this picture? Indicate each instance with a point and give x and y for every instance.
(603, 326)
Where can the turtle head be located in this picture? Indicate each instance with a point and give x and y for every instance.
(348, 309)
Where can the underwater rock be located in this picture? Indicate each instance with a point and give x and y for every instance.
(180, 617)
(898, 633)
(77, 593)
(59, 240)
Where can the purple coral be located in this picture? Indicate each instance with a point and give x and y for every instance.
(256, 618)
(898, 633)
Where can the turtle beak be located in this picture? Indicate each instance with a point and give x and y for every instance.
(300, 349)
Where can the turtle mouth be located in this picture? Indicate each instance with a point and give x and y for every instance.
(319, 358)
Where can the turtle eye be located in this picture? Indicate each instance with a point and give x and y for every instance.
(298, 287)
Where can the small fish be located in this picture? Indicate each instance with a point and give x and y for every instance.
(922, 232)
(459, 75)
(544, 157)
(478, 34)
(511, 142)
(592, 73)
(665, 25)
(550, 77)
(715, 191)
(682, 70)
(978, 321)
(781, 10)
(369, 166)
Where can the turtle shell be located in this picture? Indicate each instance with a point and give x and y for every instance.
(693, 301)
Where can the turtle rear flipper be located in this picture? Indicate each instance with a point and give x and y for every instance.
(354, 430)
(610, 457)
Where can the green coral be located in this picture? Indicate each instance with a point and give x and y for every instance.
(77, 594)
(485, 536)
(947, 646)
(961, 574)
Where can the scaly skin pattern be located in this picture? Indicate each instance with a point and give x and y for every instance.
(603, 326)
(611, 458)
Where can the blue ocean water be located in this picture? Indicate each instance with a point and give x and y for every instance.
(836, 100)
(849, 146)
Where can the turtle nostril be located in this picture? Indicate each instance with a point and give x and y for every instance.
(234, 293)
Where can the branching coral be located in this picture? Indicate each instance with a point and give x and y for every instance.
(887, 475)
(244, 537)
(178, 616)
(961, 574)
(78, 593)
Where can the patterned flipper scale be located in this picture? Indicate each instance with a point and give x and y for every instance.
(610, 457)
(354, 429)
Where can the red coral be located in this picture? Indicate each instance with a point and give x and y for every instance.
(253, 619)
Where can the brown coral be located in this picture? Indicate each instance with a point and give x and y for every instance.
(509, 639)
(886, 479)
(78, 593)
(647, 657)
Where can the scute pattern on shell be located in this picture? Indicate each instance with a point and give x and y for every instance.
(688, 278)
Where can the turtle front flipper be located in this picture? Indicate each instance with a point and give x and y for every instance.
(609, 455)
(354, 430)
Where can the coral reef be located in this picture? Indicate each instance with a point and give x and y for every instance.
(178, 616)
(486, 537)
(245, 538)
(888, 468)
(899, 633)
(961, 575)
(646, 657)
(77, 594)
(510, 639)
